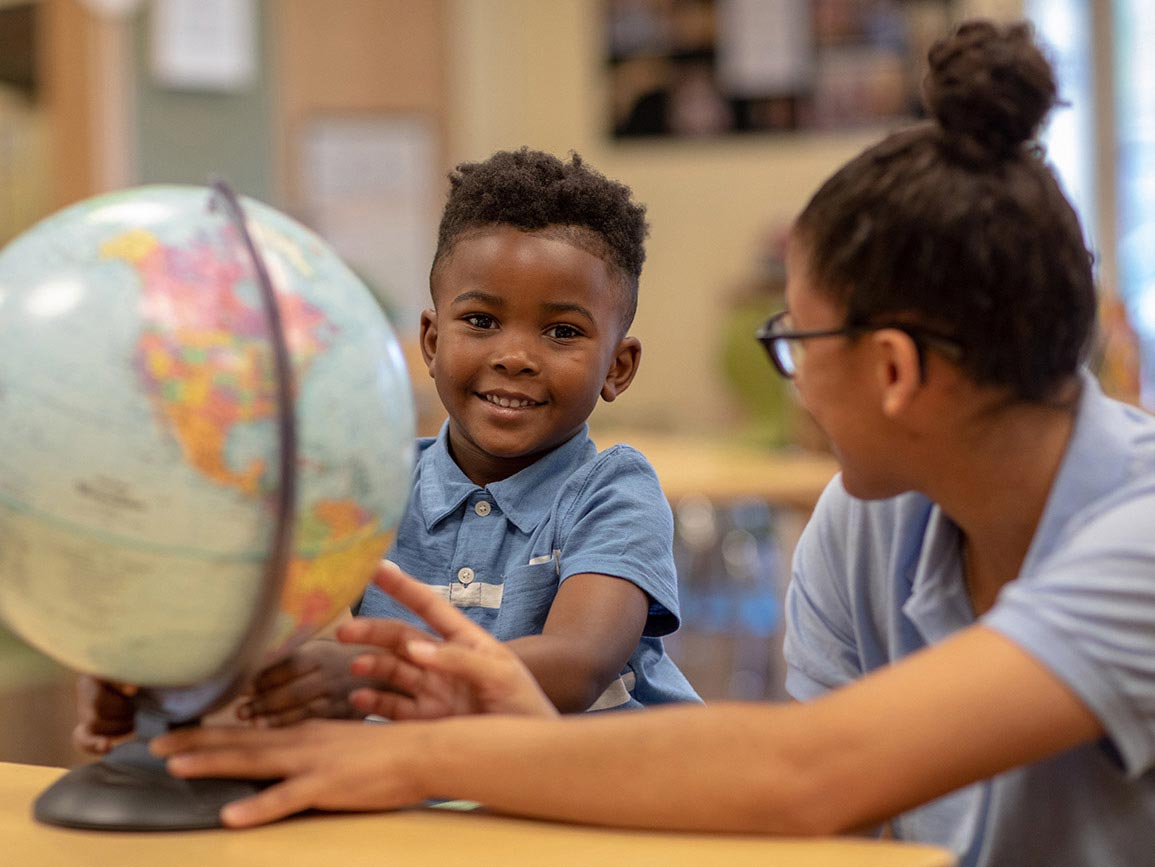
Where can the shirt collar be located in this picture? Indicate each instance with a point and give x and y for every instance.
(938, 603)
(1092, 465)
(524, 497)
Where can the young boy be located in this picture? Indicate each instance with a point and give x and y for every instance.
(514, 516)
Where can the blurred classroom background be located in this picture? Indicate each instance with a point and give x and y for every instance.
(722, 115)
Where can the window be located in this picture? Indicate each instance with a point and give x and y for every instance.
(1110, 177)
(1134, 76)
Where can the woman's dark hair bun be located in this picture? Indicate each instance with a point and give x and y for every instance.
(989, 87)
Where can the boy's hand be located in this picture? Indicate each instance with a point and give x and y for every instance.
(469, 672)
(315, 681)
(105, 713)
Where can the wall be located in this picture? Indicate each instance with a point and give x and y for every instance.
(187, 137)
(25, 183)
(360, 57)
(496, 74)
(66, 66)
(525, 72)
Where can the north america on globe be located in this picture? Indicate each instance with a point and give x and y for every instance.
(140, 471)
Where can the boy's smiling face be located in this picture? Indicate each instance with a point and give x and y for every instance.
(524, 338)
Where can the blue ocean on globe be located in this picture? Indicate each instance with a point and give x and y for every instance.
(139, 434)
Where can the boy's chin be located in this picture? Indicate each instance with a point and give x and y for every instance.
(499, 448)
(516, 451)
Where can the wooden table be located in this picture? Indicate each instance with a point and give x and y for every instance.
(411, 837)
(724, 470)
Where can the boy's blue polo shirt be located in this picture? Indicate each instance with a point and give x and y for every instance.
(500, 552)
(877, 581)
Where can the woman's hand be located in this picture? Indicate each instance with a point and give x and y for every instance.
(321, 764)
(331, 765)
(468, 672)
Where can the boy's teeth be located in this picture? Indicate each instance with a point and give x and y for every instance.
(506, 402)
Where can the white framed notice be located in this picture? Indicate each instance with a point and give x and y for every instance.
(368, 188)
(764, 46)
(204, 44)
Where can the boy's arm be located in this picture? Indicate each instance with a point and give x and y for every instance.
(592, 628)
(620, 524)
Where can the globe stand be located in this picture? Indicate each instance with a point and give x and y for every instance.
(130, 790)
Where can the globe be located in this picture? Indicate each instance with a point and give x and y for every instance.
(206, 438)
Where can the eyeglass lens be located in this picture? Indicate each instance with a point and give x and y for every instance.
(785, 351)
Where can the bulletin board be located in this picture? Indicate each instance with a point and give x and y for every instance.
(688, 69)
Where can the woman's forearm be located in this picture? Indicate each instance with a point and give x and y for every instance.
(726, 768)
(965, 710)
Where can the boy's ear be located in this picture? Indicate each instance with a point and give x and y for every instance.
(627, 357)
(428, 337)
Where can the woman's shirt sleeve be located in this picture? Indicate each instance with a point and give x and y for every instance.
(820, 648)
(1087, 612)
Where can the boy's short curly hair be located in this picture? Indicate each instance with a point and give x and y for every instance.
(533, 191)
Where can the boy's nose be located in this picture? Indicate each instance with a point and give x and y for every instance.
(514, 359)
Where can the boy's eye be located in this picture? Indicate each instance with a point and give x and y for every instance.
(562, 332)
(480, 320)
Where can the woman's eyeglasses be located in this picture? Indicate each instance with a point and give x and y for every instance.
(785, 346)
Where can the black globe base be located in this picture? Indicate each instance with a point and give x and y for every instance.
(130, 790)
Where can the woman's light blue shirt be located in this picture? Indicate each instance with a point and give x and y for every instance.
(876, 581)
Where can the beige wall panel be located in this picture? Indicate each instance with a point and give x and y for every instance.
(67, 66)
(368, 54)
(335, 56)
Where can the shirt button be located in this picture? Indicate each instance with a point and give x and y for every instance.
(483, 508)
(465, 575)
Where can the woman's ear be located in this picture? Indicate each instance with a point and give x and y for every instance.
(622, 370)
(899, 370)
(429, 337)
